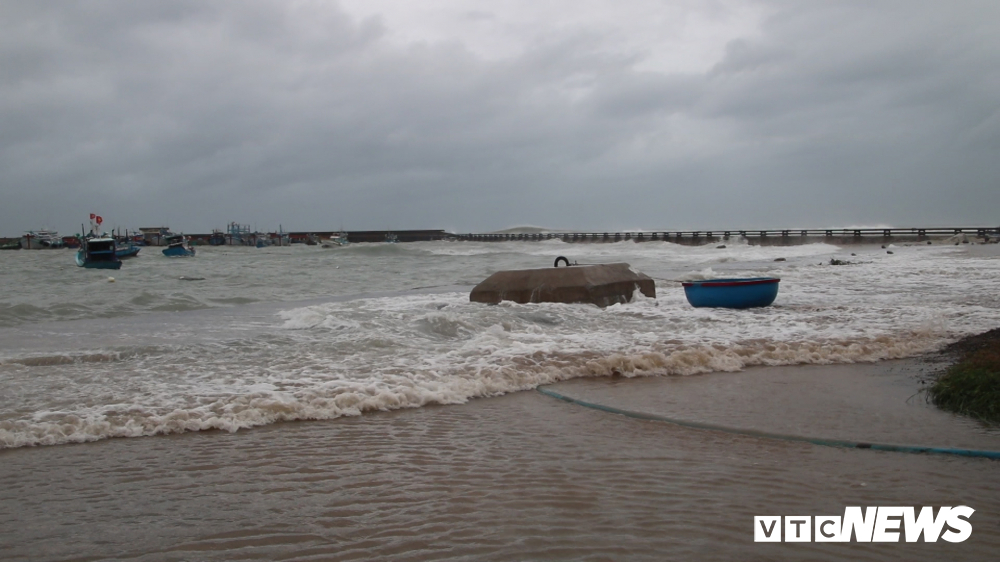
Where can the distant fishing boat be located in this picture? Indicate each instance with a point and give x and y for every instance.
(42, 240)
(335, 241)
(732, 293)
(129, 250)
(218, 238)
(177, 247)
(98, 253)
(391, 238)
(280, 238)
(127, 245)
(156, 235)
(239, 235)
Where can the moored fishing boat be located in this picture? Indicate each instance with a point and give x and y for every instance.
(127, 250)
(98, 253)
(218, 238)
(126, 246)
(177, 247)
(239, 235)
(335, 241)
(42, 240)
(279, 238)
(156, 235)
(732, 293)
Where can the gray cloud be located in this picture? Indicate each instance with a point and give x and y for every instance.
(198, 113)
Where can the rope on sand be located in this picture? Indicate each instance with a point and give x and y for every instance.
(779, 436)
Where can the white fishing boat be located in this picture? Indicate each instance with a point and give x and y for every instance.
(156, 235)
(41, 240)
(335, 241)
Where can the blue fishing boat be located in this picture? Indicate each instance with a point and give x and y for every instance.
(732, 293)
(218, 238)
(98, 253)
(177, 247)
(127, 250)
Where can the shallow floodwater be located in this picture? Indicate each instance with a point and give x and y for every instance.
(518, 477)
(881, 403)
(246, 340)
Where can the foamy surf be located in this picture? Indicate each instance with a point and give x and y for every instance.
(237, 368)
(496, 369)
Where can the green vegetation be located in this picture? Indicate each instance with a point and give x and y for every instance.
(971, 386)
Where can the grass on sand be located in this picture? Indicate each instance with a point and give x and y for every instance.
(971, 386)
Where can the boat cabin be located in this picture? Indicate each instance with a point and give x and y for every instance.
(98, 253)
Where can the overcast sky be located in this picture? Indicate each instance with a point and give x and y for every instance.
(475, 116)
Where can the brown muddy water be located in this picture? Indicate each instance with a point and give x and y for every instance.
(517, 477)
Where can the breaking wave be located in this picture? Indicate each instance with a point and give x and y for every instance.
(397, 388)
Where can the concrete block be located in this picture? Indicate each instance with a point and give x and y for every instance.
(603, 285)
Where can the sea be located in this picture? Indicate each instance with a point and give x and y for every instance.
(239, 337)
(118, 387)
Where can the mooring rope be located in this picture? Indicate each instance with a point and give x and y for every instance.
(779, 436)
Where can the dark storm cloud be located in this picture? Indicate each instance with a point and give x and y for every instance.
(199, 113)
(878, 113)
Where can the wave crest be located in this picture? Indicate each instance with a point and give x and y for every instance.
(402, 388)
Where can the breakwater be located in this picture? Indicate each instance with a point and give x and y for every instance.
(307, 237)
(763, 237)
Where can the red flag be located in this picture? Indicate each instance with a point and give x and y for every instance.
(99, 220)
(92, 215)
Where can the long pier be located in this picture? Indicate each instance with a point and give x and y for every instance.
(763, 237)
(785, 236)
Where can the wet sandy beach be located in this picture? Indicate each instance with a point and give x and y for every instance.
(518, 477)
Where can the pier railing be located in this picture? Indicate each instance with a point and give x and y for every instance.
(787, 235)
